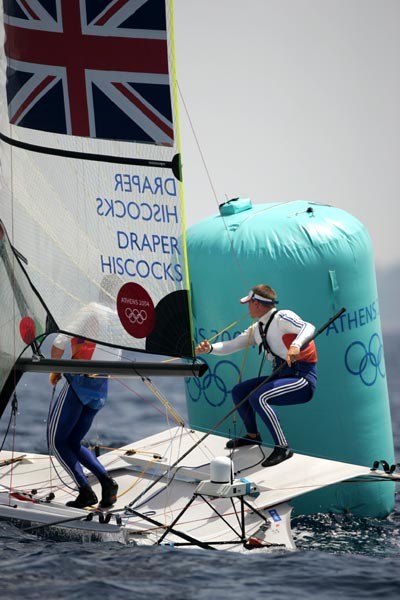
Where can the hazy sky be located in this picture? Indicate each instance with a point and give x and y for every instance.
(293, 99)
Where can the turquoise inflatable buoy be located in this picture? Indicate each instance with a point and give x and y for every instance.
(319, 259)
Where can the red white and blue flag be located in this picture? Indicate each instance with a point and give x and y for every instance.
(91, 68)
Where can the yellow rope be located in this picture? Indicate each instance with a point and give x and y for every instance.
(142, 473)
(160, 396)
(139, 478)
(226, 328)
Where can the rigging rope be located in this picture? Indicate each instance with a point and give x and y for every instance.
(160, 396)
(174, 414)
(228, 233)
(8, 426)
(197, 144)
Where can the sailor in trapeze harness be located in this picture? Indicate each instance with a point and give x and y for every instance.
(284, 338)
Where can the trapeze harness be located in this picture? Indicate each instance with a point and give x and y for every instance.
(72, 415)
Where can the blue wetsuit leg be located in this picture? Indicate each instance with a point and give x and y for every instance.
(280, 392)
(69, 421)
(246, 411)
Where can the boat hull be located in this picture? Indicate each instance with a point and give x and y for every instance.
(165, 499)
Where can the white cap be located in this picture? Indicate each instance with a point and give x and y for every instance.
(253, 296)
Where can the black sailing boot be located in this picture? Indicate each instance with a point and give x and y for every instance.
(86, 497)
(109, 489)
(243, 441)
(278, 455)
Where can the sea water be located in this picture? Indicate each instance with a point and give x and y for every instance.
(336, 557)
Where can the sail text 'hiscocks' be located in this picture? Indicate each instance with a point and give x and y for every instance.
(137, 211)
(141, 268)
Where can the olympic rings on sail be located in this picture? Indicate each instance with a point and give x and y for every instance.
(134, 315)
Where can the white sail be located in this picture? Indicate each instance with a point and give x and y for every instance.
(90, 189)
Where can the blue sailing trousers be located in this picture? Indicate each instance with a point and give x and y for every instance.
(279, 392)
(69, 421)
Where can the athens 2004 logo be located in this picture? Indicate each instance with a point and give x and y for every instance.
(136, 310)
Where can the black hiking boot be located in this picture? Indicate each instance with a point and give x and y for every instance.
(109, 489)
(86, 497)
(277, 456)
(243, 441)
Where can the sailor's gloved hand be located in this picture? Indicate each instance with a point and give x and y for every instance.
(54, 378)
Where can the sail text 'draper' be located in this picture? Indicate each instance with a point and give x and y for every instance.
(137, 201)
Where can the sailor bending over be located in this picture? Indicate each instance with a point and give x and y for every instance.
(284, 338)
(76, 406)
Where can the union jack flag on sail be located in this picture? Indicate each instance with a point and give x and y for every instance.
(91, 68)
